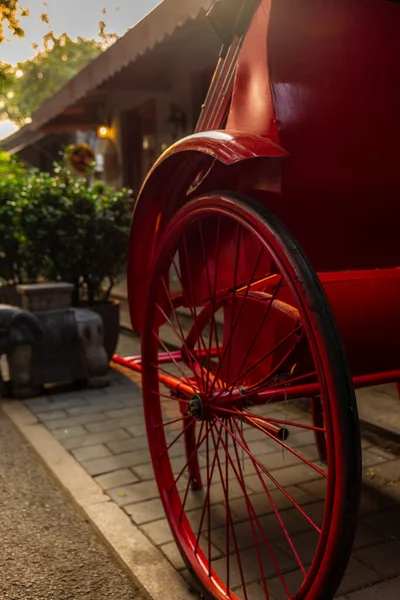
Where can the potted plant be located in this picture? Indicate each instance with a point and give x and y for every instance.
(87, 245)
(62, 228)
(11, 270)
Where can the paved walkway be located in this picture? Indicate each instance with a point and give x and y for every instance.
(47, 550)
(104, 431)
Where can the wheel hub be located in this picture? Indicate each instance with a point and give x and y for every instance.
(202, 406)
(195, 407)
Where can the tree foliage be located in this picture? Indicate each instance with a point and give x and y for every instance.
(10, 14)
(28, 84)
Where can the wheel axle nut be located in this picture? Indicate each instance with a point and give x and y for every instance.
(195, 407)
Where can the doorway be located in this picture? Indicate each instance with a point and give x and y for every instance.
(139, 135)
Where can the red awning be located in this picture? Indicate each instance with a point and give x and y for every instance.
(161, 23)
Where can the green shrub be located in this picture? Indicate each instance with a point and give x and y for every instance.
(61, 228)
(11, 184)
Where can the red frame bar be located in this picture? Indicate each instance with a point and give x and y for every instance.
(166, 357)
(135, 364)
(307, 390)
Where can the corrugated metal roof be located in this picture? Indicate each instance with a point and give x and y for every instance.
(161, 23)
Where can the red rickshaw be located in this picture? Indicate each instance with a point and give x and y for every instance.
(264, 280)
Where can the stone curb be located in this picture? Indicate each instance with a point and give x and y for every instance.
(143, 561)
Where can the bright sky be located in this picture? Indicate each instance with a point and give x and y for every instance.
(76, 18)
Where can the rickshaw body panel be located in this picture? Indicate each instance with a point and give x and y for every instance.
(332, 71)
(317, 96)
(312, 133)
(366, 307)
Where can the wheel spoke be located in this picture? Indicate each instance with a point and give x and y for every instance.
(189, 459)
(173, 359)
(230, 524)
(274, 385)
(213, 327)
(227, 344)
(227, 513)
(209, 480)
(262, 359)
(180, 335)
(257, 463)
(178, 437)
(265, 380)
(276, 511)
(173, 398)
(174, 378)
(234, 325)
(260, 326)
(206, 504)
(191, 304)
(178, 420)
(253, 422)
(266, 542)
(253, 515)
(293, 380)
(238, 413)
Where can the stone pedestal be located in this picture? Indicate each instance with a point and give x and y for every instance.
(40, 297)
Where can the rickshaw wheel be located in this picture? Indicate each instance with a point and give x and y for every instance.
(237, 309)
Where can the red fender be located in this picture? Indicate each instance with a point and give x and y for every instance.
(200, 162)
(229, 147)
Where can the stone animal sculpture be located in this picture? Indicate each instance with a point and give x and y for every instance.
(18, 329)
(90, 334)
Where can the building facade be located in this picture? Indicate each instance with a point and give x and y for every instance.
(141, 95)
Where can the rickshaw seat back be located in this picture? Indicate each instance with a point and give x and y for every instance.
(321, 79)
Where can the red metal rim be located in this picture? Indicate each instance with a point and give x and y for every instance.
(340, 418)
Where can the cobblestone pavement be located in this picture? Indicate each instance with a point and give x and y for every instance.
(104, 430)
(47, 551)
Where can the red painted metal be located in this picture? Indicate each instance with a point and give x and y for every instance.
(228, 147)
(129, 362)
(193, 161)
(167, 357)
(366, 307)
(207, 404)
(214, 109)
(275, 393)
(173, 383)
(308, 136)
(304, 80)
(337, 178)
